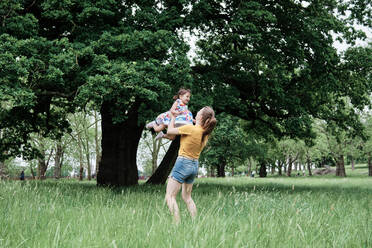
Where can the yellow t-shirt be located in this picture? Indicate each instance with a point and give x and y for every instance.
(191, 141)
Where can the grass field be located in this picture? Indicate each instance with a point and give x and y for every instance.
(232, 212)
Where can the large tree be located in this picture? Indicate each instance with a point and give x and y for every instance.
(268, 62)
(55, 56)
(274, 63)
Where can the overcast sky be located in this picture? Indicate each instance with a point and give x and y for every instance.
(341, 47)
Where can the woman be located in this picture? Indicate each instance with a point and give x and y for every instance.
(193, 140)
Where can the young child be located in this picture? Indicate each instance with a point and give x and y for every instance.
(179, 109)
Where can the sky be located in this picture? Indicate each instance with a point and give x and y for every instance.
(341, 47)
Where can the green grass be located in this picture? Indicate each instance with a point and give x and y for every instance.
(232, 212)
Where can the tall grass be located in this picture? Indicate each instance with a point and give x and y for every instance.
(232, 212)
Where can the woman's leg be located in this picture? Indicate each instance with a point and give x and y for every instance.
(173, 187)
(186, 196)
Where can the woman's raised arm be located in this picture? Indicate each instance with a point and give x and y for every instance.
(171, 129)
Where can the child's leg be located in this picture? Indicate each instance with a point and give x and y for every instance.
(159, 128)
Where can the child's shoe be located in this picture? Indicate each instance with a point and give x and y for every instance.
(150, 125)
(159, 136)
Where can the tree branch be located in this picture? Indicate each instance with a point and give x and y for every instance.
(57, 94)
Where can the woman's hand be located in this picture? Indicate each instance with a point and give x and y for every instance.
(175, 113)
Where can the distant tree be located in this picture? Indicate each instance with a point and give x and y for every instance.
(228, 145)
(151, 149)
(366, 146)
(160, 176)
(311, 153)
(263, 169)
(147, 168)
(3, 172)
(58, 159)
(97, 140)
(84, 136)
(45, 150)
(337, 142)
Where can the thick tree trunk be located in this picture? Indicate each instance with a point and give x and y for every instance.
(309, 166)
(263, 172)
(2, 170)
(57, 170)
(41, 168)
(96, 140)
(289, 169)
(232, 171)
(81, 172)
(249, 166)
(43, 164)
(58, 161)
(162, 172)
(32, 172)
(340, 167)
(369, 164)
(280, 165)
(221, 169)
(118, 166)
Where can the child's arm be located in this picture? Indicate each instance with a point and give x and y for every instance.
(173, 109)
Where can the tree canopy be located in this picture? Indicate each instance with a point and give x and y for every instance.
(271, 63)
(276, 64)
(58, 55)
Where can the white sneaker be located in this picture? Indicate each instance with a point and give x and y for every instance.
(160, 135)
(150, 125)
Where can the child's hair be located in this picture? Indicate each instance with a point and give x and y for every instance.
(181, 92)
(208, 121)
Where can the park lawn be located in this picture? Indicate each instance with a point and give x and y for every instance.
(360, 170)
(232, 212)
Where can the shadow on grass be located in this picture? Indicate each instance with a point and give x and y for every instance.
(328, 185)
(88, 186)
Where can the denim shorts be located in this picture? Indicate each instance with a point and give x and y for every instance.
(185, 170)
